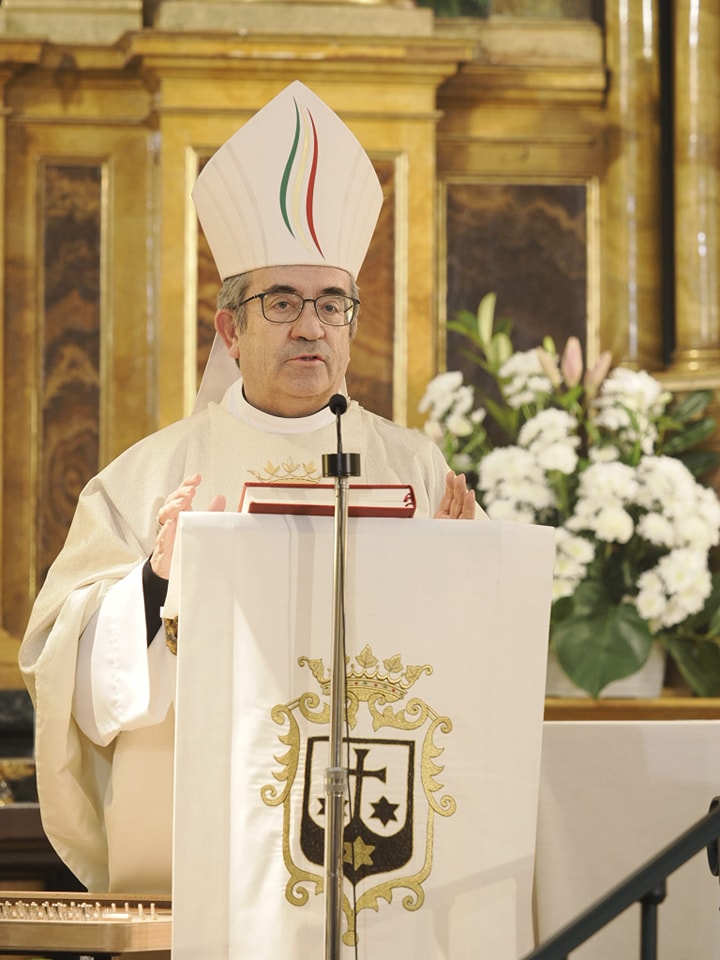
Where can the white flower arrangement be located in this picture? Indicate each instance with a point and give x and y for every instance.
(608, 458)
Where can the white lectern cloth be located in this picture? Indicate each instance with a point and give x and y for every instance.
(444, 780)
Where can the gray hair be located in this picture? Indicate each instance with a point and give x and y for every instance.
(234, 290)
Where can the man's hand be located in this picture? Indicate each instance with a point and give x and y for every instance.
(179, 500)
(457, 503)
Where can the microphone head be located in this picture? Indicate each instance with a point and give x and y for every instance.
(337, 404)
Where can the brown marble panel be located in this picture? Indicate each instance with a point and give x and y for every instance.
(370, 378)
(527, 243)
(70, 210)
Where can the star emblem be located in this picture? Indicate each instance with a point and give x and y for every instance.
(358, 853)
(384, 811)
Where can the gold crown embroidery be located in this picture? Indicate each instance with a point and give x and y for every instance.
(288, 472)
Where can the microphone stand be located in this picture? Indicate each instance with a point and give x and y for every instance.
(341, 466)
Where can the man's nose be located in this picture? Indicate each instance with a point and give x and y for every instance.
(308, 323)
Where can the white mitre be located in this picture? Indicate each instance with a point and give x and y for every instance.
(292, 186)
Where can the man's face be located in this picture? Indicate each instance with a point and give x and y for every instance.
(290, 369)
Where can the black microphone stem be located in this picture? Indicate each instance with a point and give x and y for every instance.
(341, 466)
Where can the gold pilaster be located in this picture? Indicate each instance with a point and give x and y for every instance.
(12, 57)
(697, 185)
(631, 323)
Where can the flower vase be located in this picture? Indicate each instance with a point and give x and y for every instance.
(645, 684)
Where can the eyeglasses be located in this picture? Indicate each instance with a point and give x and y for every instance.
(333, 309)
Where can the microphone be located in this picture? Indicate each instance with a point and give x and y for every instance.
(340, 464)
(338, 405)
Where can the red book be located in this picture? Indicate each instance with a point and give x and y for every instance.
(318, 499)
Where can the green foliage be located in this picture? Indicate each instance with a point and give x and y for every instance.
(598, 640)
(624, 417)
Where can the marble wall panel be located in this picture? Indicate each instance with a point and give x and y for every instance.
(528, 244)
(69, 385)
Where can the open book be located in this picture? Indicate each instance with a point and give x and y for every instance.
(364, 500)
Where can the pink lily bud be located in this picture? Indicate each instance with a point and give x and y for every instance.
(549, 366)
(571, 363)
(594, 377)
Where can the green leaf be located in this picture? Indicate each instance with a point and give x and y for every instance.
(600, 641)
(465, 324)
(690, 435)
(699, 663)
(700, 462)
(691, 406)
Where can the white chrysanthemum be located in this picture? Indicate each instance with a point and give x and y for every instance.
(604, 454)
(464, 398)
(708, 509)
(657, 529)
(663, 480)
(506, 463)
(434, 430)
(579, 549)
(520, 397)
(509, 510)
(563, 588)
(682, 579)
(463, 462)
(651, 600)
(558, 456)
(522, 379)
(459, 425)
(440, 394)
(547, 427)
(528, 492)
(523, 363)
(628, 407)
(612, 524)
(568, 569)
(634, 389)
(693, 531)
(606, 481)
(614, 419)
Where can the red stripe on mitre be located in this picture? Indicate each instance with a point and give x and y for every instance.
(310, 196)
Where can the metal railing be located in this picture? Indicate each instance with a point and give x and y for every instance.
(645, 886)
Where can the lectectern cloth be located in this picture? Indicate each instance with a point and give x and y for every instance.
(446, 641)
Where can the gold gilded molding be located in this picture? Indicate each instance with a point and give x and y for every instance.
(631, 311)
(696, 49)
(314, 18)
(71, 21)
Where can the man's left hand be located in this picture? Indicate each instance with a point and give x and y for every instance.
(457, 503)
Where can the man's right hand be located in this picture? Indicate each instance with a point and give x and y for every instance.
(179, 500)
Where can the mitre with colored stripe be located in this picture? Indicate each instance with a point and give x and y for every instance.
(292, 186)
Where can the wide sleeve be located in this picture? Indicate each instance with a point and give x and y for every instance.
(121, 682)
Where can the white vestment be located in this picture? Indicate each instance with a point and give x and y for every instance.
(106, 802)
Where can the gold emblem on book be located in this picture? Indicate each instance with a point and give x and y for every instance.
(394, 795)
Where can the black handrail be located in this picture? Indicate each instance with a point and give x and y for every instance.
(645, 886)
